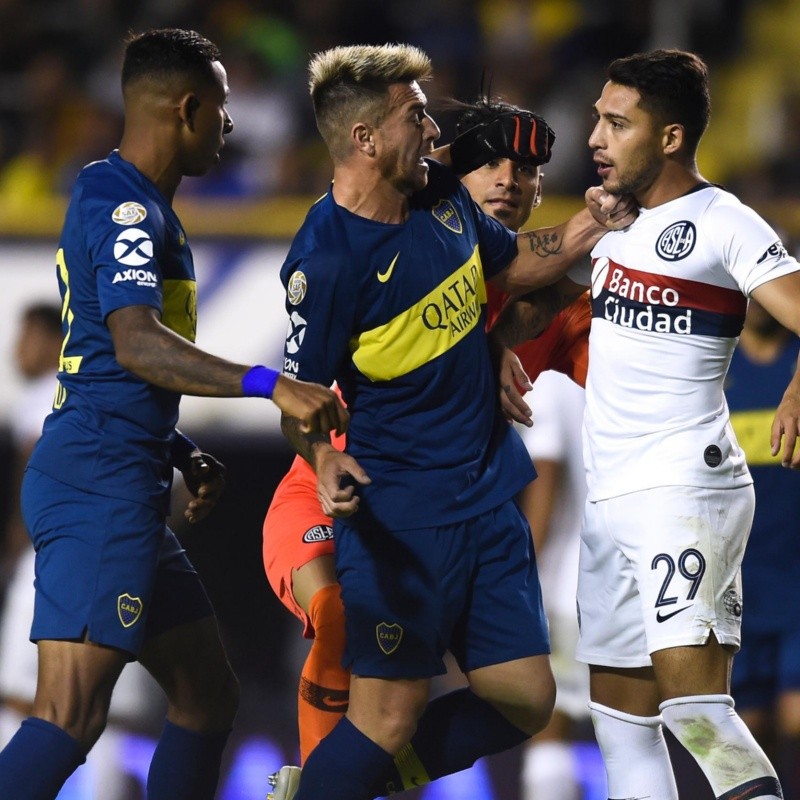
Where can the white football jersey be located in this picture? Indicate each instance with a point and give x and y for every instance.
(669, 295)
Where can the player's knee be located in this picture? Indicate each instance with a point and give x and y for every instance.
(84, 721)
(206, 700)
(535, 711)
(390, 729)
(528, 704)
(391, 720)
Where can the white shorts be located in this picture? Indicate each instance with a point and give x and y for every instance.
(661, 568)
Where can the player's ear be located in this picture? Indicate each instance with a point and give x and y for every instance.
(187, 109)
(537, 198)
(363, 138)
(672, 138)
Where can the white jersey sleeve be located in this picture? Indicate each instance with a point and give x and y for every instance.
(751, 250)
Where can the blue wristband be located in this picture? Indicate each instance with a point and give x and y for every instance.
(259, 381)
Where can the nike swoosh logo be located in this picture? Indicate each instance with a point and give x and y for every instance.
(384, 276)
(323, 698)
(664, 617)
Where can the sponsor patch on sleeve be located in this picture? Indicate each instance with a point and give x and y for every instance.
(129, 213)
(296, 289)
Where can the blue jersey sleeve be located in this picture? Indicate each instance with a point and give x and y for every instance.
(321, 302)
(124, 255)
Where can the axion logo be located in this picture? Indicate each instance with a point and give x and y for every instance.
(143, 277)
(133, 247)
(296, 332)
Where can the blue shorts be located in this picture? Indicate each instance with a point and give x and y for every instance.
(471, 587)
(767, 666)
(106, 568)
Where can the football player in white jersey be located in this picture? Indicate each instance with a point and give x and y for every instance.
(670, 497)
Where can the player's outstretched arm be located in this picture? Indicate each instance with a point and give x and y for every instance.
(781, 298)
(546, 254)
(154, 353)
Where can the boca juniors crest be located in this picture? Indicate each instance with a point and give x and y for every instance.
(389, 636)
(446, 213)
(129, 609)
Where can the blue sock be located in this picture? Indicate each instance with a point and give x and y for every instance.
(454, 732)
(185, 765)
(345, 765)
(38, 760)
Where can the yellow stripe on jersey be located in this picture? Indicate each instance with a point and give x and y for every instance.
(752, 429)
(69, 364)
(180, 307)
(427, 329)
(61, 396)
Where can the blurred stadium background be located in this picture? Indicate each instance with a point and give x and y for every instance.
(60, 108)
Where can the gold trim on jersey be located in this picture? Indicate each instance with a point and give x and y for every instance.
(753, 430)
(426, 330)
(180, 307)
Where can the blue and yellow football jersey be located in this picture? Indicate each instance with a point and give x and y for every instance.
(395, 314)
(121, 245)
(771, 567)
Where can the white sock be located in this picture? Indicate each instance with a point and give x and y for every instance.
(715, 736)
(635, 755)
(548, 770)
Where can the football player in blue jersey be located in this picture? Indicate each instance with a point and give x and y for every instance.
(386, 281)
(112, 582)
(766, 672)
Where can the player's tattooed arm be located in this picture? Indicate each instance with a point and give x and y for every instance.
(144, 346)
(526, 317)
(547, 254)
(543, 243)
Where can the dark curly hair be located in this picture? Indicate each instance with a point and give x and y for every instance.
(167, 51)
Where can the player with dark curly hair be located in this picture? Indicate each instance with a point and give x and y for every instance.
(113, 583)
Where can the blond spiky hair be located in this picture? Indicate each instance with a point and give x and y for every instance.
(347, 83)
(361, 63)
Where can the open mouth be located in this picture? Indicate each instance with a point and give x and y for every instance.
(603, 169)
